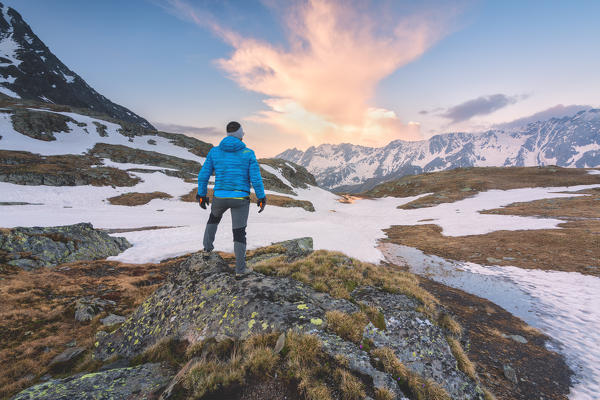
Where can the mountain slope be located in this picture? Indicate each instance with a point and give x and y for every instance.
(568, 142)
(29, 70)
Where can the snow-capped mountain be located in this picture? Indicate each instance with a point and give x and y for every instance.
(567, 142)
(29, 70)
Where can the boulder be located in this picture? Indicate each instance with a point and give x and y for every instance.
(140, 382)
(35, 247)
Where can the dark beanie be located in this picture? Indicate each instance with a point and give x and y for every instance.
(235, 129)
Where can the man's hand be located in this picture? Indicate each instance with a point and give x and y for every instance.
(262, 203)
(203, 201)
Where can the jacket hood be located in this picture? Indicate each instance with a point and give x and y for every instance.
(231, 144)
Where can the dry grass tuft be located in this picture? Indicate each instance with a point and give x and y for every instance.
(137, 199)
(338, 275)
(347, 326)
(350, 386)
(375, 316)
(260, 361)
(463, 362)
(384, 394)
(487, 395)
(448, 323)
(211, 375)
(390, 363)
(167, 350)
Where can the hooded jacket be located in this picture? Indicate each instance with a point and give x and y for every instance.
(235, 167)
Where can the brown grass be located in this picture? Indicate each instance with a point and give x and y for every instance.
(581, 207)
(463, 362)
(272, 200)
(384, 394)
(37, 312)
(573, 248)
(137, 199)
(350, 386)
(448, 323)
(339, 275)
(457, 184)
(347, 326)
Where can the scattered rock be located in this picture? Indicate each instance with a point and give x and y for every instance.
(87, 308)
(493, 260)
(66, 357)
(112, 319)
(516, 338)
(510, 373)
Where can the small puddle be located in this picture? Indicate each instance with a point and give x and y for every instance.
(563, 305)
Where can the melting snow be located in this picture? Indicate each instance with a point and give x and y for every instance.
(564, 305)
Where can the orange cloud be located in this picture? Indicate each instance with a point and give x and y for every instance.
(322, 85)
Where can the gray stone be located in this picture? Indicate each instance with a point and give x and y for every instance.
(358, 361)
(516, 338)
(493, 260)
(112, 319)
(133, 383)
(510, 373)
(36, 247)
(418, 343)
(87, 308)
(67, 356)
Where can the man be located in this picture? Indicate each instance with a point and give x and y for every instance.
(235, 168)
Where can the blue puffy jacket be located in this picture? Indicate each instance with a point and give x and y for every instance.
(235, 166)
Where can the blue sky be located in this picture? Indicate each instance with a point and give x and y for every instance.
(445, 66)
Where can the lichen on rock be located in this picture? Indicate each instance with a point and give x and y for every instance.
(35, 247)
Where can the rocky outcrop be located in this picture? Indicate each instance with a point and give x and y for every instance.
(133, 383)
(24, 168)
(36, 247)
(202, 300)
(40, 125)
(295, 174)
(124, 154)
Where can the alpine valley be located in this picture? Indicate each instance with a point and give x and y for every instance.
(435, 282)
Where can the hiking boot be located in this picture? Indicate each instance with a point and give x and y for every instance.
(206, 254)
(244, 274)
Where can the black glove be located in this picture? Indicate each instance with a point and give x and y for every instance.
(203, 201)
(262, 203)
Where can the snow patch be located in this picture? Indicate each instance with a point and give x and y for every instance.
(563, 305)
(8, 92)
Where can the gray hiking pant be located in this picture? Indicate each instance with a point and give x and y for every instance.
(239, 220)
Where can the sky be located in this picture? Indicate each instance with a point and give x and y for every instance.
(307, 72)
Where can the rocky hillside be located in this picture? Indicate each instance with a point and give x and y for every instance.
(60, 146)
(204, 334)
(29, 70)
(568, 142)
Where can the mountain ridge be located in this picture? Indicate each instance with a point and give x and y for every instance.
(568, 141)
(30, 71)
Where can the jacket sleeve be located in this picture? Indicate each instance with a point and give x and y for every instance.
(204, 174)
(255, 177)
